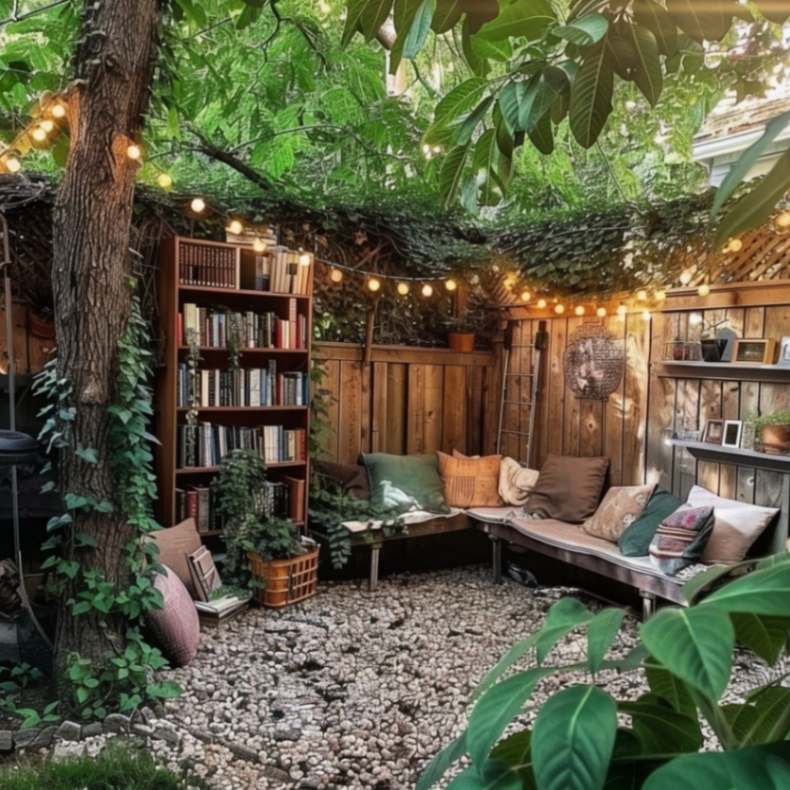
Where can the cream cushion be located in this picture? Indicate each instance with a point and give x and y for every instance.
(736, 525)
(515, 481)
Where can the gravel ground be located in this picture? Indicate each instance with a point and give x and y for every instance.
(355, 689)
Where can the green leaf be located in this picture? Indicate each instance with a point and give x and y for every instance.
(764, 767)
(766, 636)
(418, 31)
(447, 15)
(374, 15)
(762, 592)
(662, 730)
(438, 766)
(591, 96)
(516, 752)
(695, 644)
(451, 173)
(703, 20)
(746, 161)
(647, 68)
(496, 708)
(491, 775)
(543, 92)
(573, 739)
(528, 18)
(510, 99)
(584, 31)
(568, 613)
(455, 104)
(664, 684)
(655, 18)
(763, 719)
(541, 136)
(602, 630)
(87, 454)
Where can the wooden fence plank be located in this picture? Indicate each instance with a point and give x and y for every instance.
(397, 399)
(330, 382)
(350, 418)
(378, 413)
(454, 409)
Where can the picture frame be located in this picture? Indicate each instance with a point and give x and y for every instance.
(754, 351)
(783, 359)
(714, 432)
(732, 433)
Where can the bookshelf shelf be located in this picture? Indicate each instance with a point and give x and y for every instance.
(208, 310)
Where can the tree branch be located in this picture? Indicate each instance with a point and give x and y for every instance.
(17, 17)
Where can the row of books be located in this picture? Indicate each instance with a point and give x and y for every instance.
(210, 327)
(242, 387)
(280, 271)
(206, 443)
(208, 265)
(284, 499)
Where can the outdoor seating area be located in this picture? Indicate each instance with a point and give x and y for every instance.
(394, 395)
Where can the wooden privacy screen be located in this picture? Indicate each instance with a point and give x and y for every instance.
(407, 400)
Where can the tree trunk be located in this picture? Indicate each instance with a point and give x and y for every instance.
(114, 66)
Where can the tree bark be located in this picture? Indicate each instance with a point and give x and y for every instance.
(114, 67)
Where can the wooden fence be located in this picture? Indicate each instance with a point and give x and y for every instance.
(407, 400)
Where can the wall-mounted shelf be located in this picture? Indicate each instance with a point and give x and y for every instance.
(723, 371)
(716, 453)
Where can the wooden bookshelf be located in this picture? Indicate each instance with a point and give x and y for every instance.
(232, 267)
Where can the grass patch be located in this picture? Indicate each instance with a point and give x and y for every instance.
(116, 768)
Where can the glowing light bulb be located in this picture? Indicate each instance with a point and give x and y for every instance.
(685, 276)
(526, 296)
(374, 285)
(510, 282)
(704, 290)
(58, 110)
(198, 205)
(646, 315)
(450, 284)
(601, 312)
(735, 245)
(660, 295)
(12, 164)
(336, 275)
(235, 227)
(622, 310)
(47, 125)
(641, 295)
(305, 259)
(559, 309)
(579, 310)
(403, 289)
(783, 220)
(495, 268)
(427, 290)
(164, 181)
(259, 245)
(541, 304)
(39, 135)
(134, 152)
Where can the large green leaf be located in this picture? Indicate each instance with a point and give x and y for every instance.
(664, 684)
(451, 173)
(591, 96)
(516, 752)
(585, 30)
(373, 16)
(756, 768)
(527, 18)
(465, 128)
(492, 775)
(703, 20)
(496, 708)
(484, 163)
(544, 90)
(763, 592)
(601, 632)
(418, 31)
(647, 68)
(354, 11)
(573, 739)
(438, 766)
(478, 64)
(542, 136)
(766, 636)
(568, 613)
(763, 719)
(510, 99)
(662, 730)
(453, 107)
(778, 11)
(655, 18)
(447, 14)
(694, 644)
(746, 161)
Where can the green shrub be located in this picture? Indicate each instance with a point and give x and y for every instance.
(685, 656)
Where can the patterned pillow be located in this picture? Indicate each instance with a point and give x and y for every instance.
(681, 538)
(621, 506)
(470, 482)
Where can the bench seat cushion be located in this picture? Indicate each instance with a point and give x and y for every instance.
(412, 517)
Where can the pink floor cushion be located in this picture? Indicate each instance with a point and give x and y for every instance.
(175, 627)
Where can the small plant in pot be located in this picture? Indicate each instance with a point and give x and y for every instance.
(460, 335)
(264, 552)
(772, 432)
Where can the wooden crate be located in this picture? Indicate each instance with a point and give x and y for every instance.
(285, 581)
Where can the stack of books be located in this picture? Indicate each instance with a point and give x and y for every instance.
(213, 613)
(206, 444)
(253, 387)
(281, 271)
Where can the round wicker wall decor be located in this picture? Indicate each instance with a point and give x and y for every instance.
(594, 363)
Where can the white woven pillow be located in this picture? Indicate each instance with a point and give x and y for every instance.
(515, 481)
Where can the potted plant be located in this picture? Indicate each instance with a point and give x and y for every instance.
(460, 335)
(772, 432)
(263, 551)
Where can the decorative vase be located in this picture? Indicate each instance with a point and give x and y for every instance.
(463, 342)
(775, 439)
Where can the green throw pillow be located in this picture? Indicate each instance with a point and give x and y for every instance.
(405, 482)
(635, 540)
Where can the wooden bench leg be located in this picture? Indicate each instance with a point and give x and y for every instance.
(375, 553)
(496, 559)
(648, 604)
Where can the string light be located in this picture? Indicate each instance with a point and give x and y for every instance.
(526, 296)
(559, 309)
(259, 245)
(374, 284)
(235, 227)
(578, 310)
(734, 245)
(427, 290)
(39, 135)
(305, 259)
(402, 288)
(542, 304)
(783, 220)
(450, 285)
(164, 181)
(641, 295)
(660, 295)
(47, 125)
(685, 276)
(646, 315)
(622, 310)
(510, 282)
(12, 164)
(704, 290)
(58, 110)
(336, 275)
(601, 312)
(198, 205)
(134, 152)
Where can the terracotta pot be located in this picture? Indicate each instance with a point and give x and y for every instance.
(463, 342)
(775, 438)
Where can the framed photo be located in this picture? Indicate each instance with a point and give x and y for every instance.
(784, 353)
(714, 432)
(757, 351)
(731, 436)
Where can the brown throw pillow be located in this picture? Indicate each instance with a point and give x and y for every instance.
(621, 506)
(568, 488)
(175, 543)
(175, 627)
(353, 478)
(470, 482)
